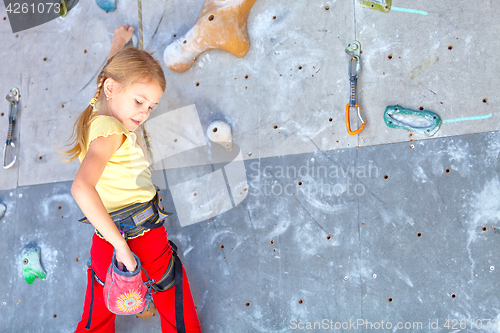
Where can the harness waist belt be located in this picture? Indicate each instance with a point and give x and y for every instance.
(134, 219)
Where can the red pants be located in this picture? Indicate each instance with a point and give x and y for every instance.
(154, 251)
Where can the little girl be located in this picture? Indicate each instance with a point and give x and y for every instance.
(114, 174)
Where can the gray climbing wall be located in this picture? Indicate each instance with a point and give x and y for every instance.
(333, 229)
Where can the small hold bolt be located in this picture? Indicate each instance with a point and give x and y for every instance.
(492, 268)
(354, 46)
(346, 278)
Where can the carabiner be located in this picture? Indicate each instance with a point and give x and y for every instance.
(354, 51)
(13, 98)
(358, 66)
(348, 120)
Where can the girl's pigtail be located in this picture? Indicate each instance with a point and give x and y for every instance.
(79, 135)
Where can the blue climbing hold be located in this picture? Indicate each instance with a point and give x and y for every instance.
(107, 5)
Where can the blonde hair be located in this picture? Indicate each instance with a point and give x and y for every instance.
(127, 67)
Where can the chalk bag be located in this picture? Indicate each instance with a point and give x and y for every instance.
(124, 292)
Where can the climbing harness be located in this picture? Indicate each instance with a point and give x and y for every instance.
(354, 51)
(134, 220)
(13, 98)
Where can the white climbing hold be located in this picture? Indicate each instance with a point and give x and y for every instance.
(220, 132)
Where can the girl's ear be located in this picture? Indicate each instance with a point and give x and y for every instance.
(109, 87)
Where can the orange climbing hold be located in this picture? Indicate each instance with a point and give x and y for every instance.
(221, 25)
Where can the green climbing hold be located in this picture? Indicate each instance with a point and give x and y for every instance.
(32, 267)
(380, 5)
(422, 122)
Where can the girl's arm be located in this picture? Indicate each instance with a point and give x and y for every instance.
(89, 201)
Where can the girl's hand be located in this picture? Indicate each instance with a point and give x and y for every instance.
(121, 36)
(125, 257)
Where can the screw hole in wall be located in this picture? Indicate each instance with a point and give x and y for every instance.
(389, 56)
(484, 228)
(390, 299)
(386, 177)
(485, 100)
(222, 246)
(211, 17)
(419, 234)
(247, 304)
(301, 301)
(447, 170)
(453, 296)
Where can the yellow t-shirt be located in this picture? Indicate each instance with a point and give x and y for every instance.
(127, 178)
